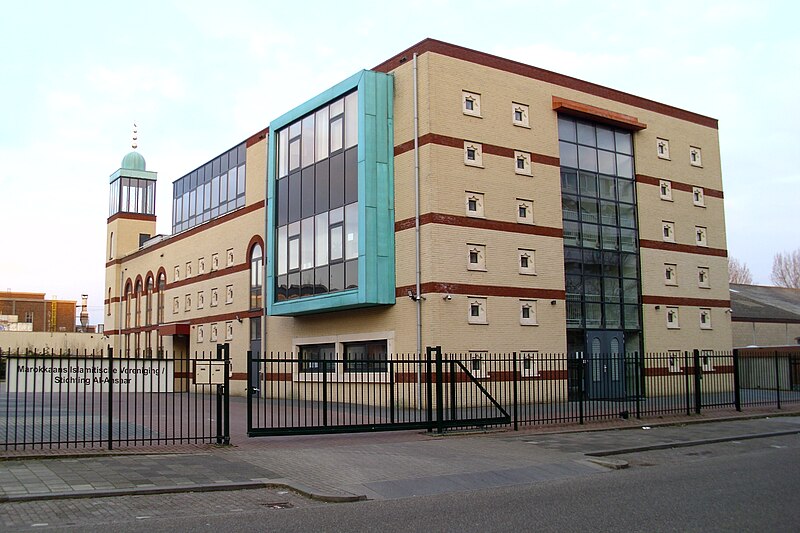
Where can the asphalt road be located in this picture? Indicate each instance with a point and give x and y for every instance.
(735, 486)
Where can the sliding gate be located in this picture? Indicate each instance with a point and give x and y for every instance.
(333, 394)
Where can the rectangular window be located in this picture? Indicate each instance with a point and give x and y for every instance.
(370, 356)
(698, 197)
(700, 233)
(670, 274)
(519, 115)
(473, 154)
(474, 204)
(524, 211)
(526, 261)
(662, 148)
(665, 190)
(476, 257)
(695, 156)
(522, 163)
(471, 103)
(476, 365)
(529, 363)
(707, 360)
(476, 312)
(672, 318)
(703, 280)
(674, 361)
(317, 358)
(668, 231)
(705, 318)
(527, 313)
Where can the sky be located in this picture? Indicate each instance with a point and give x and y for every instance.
(200, 77)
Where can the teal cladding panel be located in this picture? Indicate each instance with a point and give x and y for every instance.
(376, 271)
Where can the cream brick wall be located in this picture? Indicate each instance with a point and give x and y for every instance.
(764, 334)
(659, 338)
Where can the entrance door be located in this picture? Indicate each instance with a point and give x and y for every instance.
(605, 365)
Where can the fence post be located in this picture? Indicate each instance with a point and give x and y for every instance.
(581, 388)
(227, 398)
(737, 393)
(439, 392)
(698, 400)
(325, 392)
(110, 395)
(429, 386)
(515, 374)
(686, 382)
(638, 377)
(219, 398)
(452, 369)
(250, 391)
(391, 391)
(777, 379)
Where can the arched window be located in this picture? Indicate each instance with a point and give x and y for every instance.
(138, 296)
(162, 286)
(148, 313)
(256, 275)
(128, 290)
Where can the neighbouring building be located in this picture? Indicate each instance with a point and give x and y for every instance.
(31, 311)
(445, 197)
(765, 316)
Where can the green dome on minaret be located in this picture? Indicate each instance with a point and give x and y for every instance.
(133, 161)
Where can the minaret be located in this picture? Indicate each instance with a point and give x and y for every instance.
(131, 221)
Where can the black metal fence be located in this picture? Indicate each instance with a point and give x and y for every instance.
(87, 401)
(439, 391)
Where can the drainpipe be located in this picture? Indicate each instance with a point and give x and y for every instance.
(417, 295)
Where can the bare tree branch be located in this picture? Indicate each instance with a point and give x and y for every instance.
(739, 272)
(786, 269)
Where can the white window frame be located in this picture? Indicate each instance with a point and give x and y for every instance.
(524, 111)
(528, 205)
(705, 318)
(481, 357)
(525, 159)
(229, 257)
(480, 251)
(707, 283)
(478, 153)
(674, 361)
(176, 273)
(200, 299)
(188, 269)
(478, 198)
(214, 262)
(228, 294)
(669, 235)
(665, 190)
(674, 323)
(229, 330)
(695, 156)
(707, 360)
(530, 270)
(532, 358)
(188, 302)
(701, 235)
(201, 333)
(662, 148)
(481, 302)
(475, 98)
(530, 305)
(339, 346)
(698, 197)
(214, 334)
(201, 266)
(176, 305)
(673, 279)
(214, 297)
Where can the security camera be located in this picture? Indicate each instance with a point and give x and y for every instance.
(447, 297)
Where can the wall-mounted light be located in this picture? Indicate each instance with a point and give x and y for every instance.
(552, 302)
(658, 307)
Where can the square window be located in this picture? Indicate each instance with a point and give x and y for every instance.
(201, 333)
(474, 204)
(471, 103)
(674, 361)
(672, 318)
(705, 318)
(473, 154)
(189, 269)
(662, 148)
(476, 313)
(700, 235)
(229, 331)
(214, 333)
(668, 231)
(529, 362)
(369, 356)
(527, 263)
(477, 363)
(522, 163)
(229, 255)
(229, 294)
(524, 211)
(519, 115)
(670, 274)
(695, 156)
(698, 197)
(527, 313)
(703, 280)
(665, 189)
(476, 257)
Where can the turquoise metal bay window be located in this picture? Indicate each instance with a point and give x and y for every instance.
(330, 200)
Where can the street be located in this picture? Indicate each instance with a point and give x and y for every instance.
(746, 485)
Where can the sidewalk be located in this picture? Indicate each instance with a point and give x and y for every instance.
(358, 466)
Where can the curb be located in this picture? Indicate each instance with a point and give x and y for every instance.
(689, 443)
(216, 487)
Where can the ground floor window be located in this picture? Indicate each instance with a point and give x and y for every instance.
(317, 357)
(367, 356)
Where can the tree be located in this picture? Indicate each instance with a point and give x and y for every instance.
(786, 269)
(739, 272)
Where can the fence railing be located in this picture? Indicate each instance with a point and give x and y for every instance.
(400, 391)
(79, 401)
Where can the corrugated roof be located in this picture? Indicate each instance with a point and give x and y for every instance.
(760, 303)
